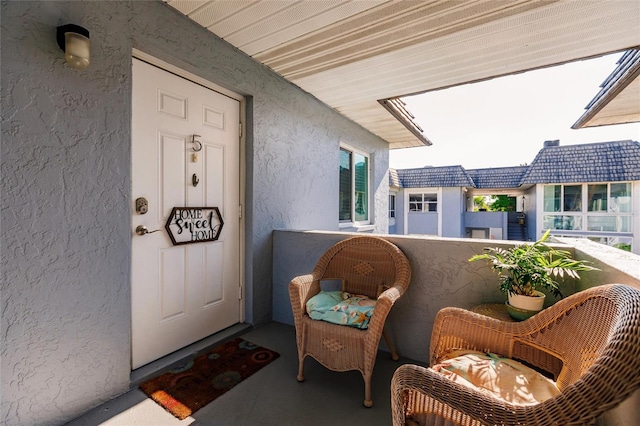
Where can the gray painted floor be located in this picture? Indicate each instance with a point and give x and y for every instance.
(272, 396)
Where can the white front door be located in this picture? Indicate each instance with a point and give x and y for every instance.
(182, 293)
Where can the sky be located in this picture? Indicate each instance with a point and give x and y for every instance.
(505, 121)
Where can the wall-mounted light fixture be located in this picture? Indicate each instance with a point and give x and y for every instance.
(74, 41)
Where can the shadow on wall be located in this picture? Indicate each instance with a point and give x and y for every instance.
(441, 276)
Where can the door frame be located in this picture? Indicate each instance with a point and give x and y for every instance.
(241, 167)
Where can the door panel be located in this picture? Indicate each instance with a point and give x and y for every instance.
(172, 285)
(214, 256)
(214, 160)
(181, 294)
(172, 168)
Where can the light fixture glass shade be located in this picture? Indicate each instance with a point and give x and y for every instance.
(77, 50)
(74, 41)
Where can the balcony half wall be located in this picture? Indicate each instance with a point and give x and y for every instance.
(441, 276)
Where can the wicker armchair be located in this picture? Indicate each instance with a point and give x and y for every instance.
(365, 265)
(589, 342)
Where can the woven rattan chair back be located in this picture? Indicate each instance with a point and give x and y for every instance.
(365, 265)
(577, 335)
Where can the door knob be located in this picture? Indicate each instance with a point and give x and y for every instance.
(143, 230)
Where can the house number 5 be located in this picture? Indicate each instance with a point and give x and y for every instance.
(197, 148)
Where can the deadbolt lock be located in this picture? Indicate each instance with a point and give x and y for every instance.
(142, 205)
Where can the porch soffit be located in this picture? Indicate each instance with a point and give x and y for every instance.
(618, 101)
(351, 54)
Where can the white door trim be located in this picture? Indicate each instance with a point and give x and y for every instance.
(186, 74)
(241, 167)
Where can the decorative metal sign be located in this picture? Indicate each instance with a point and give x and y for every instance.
(187, 225)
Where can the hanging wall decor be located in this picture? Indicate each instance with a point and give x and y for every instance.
(187, 225)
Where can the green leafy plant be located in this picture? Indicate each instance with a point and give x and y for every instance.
(529, 267)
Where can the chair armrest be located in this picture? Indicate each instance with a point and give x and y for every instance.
(383, 306)
(301, 289)
(419, 391)
(456, 328)
(384, 303)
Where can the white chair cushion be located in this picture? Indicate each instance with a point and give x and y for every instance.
(500, 377)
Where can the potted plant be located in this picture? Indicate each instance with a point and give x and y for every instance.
(526, 269)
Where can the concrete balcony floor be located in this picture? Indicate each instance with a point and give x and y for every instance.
(272, 396)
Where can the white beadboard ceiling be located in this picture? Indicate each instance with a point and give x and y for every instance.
(618, 101)
(351, 54)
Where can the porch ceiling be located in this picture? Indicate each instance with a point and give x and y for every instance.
(351, 54)
(619, 99)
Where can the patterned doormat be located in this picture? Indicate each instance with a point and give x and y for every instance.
(189, 387)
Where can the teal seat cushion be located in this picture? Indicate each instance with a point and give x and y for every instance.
(341, 308)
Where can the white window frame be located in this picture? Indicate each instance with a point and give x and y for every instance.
(423, 202)
(353, 222)
(585, 213)
(423, 190)
(392, 220)
(392, 205)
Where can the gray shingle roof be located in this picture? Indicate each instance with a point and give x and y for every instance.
(596, 162)
(434, 177)
(501, 177)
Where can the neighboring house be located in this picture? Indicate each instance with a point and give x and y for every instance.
(590, 190)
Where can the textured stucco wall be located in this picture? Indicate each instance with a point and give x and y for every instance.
(485, 219)
(422, 223)
(441, 276)
(65, 217)
(66, 201)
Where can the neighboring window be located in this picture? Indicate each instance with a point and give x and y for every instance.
(597, 198)
(552, 196)
(354, 186)
(572, 198)
(620, 197)
(609, 223)
(423, 202)
(607, 214)
(392, 206)
(571, 223)
(609, 207)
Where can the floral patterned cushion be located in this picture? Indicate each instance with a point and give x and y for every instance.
(342, 308)
(500, 377)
